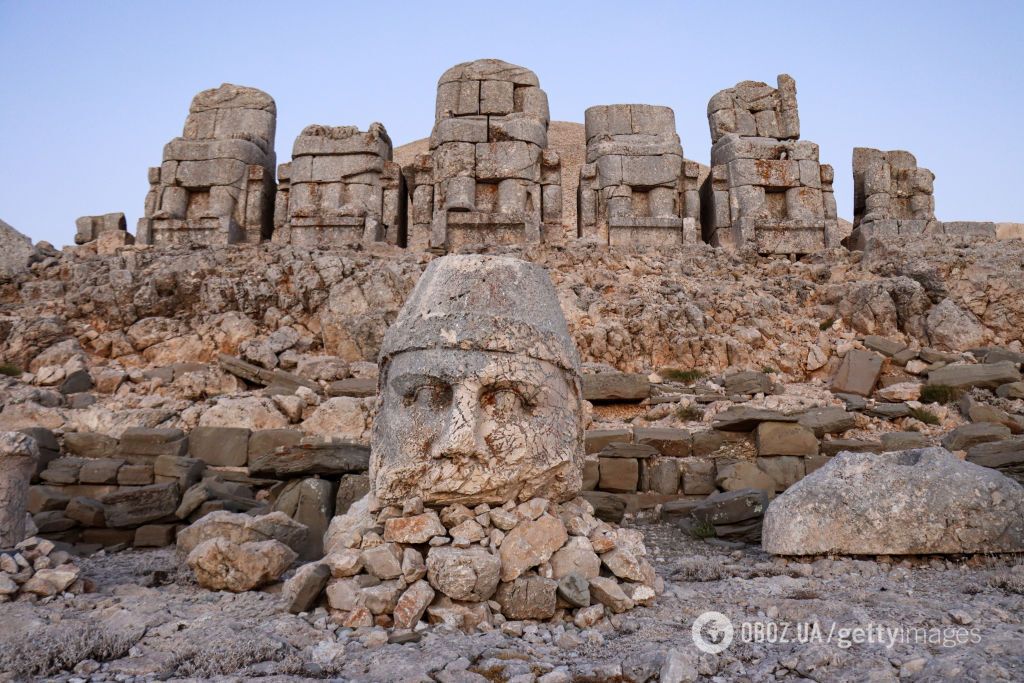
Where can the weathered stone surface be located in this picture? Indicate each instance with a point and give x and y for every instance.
(616, 386)
(309, 502)
(413, 603)
(353, 386)
(731, 507)
(675, 443)
(414, 529)
(147, 444)
(351, 487)
(576, 557)
(607, 592)
(220, 564)
(220, 446)
(735, 476)
(242, 528)
(100, 471)
(383, 561)
(48, 582)
(607, 506)
(781, 438)
(529, 544)
(134, 507)
(951, 327)
(744, 419)
(90, 444)
(528, 597)
(1006, 456)
(748, 382)
(786, 470)
(463, 573)
(900, 441)
(987, 375)
(18, 456)
(86, 511)
(594, 440)
(154, 536)
(963, 437)
(263, 442)
(830, 420)
(312, 456)
(305, 587)
(428, 438)
(184, 471)
(858, 373)
(912, 502)
(15, 250)
(619, 475)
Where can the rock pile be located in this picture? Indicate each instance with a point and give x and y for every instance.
(475, 568)
(36, 567)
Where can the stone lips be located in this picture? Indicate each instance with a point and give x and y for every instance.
(483, 303)
(913, 502)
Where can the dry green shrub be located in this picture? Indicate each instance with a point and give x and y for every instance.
(59, 647)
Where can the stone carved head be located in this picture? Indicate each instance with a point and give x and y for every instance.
(479, 390)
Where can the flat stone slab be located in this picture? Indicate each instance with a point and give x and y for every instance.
(1006, 456)
(306, 458)
(986, 375)
(359, 387)
(744, 419)
(616, 386)
(858, 373)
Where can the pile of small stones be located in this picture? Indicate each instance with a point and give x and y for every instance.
(474, 569)
(35, 568)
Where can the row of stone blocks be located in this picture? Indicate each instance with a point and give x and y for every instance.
(490, 176)
(144, 487)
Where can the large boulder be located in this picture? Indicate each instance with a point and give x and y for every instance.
(220, 564)
(239, 528)
(913, 502)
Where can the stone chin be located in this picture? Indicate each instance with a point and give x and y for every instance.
(476, 427)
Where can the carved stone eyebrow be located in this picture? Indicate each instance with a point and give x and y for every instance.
(407, 381)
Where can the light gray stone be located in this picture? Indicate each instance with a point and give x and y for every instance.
(907, 503)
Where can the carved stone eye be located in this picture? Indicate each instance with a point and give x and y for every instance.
(503, 403)
(429, 396)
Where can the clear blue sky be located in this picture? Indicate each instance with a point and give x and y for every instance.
(91, 91)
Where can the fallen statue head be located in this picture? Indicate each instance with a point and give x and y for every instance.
(479, 390)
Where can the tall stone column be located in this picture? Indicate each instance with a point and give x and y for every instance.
(18, 456)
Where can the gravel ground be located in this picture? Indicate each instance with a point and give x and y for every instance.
(792, 620)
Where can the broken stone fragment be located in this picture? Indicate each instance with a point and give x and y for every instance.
(18, 456)
(220, 564)
(242, 528)
(463, 573)
(529, 544)
(414, 529)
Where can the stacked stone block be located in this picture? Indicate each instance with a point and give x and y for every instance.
(341, 187)
(142, 488)
(216, 183)
(489, 177)
(767, 187)
(891, 195)
(636, 188)
(109, 228)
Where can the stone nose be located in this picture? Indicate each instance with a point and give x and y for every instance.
(461, 435)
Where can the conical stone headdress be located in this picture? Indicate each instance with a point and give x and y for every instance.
(483, 303)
